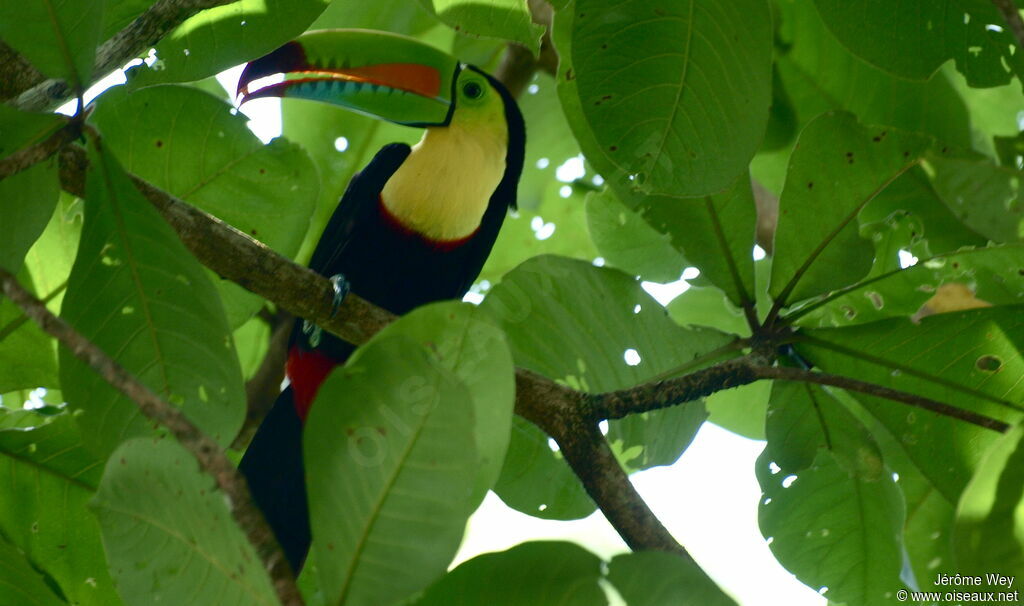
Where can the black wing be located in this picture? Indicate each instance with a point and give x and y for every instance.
(360, 197)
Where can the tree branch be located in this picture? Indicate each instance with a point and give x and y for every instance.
(207, 452)
(1012, 16)
(262, 389)
(35, 94)
(560, 412)
(741, 371)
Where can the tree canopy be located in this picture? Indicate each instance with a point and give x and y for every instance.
(846, 177)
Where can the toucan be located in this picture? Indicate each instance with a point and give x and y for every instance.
(414, 226)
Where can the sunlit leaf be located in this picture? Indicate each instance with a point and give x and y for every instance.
(59, 37)
(505, 19)
(191, 145)
(156, 314)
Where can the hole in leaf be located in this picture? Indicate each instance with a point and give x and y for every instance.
(989, 363)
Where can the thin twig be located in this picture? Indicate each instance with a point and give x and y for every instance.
(207, 452)
(821, 378)
(1012, 16)
(262, 389)
(9, 328)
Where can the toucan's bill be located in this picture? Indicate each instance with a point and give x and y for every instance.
(384, 75)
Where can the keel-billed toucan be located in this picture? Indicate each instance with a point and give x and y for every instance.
(414, 226)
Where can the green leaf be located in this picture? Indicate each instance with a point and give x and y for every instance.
(390, 443)
(803, 419)
(913, 200)
(715, 233)
(986, 197)
(583, 326)
(707, 306)
(464, 341)
(969, 359)
(549, 142)
(139, 295)
(837, 168)
(833, 529)
(652, 578)
(628, 243)
(988, 535)
(400, 16)
(20, 129)
(50, 259)
(666, 97)
(27, 200)
(58, 37)
(23, 585)
(504, 19)
(48, 479)
(189, 144)
(741, 410)
(540, 572)
(819, 75)
(912, 38)
(224, 36)
(995, 275)
(27, 355)
(169, 534)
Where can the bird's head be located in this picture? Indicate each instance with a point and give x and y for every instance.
(383, 75)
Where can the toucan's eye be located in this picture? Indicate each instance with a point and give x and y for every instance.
(473, 90)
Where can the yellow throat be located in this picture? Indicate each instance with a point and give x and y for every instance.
(442, 189)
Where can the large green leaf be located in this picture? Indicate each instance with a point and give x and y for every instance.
(666, 97)
(463, 340)
(912, 38)
(838, 167)
(59, 37)
(819, 75)
(995, 275)
(969, 359)
(596, 330)
(169, 534)
(137, 293)
(23, 585)
(653, 578)
(989, 535)
(529, 574)
(221, 37)
(48, 479)
(190, 144)
(392, 465)
(834, 529)
(27, 200)
(503, 19)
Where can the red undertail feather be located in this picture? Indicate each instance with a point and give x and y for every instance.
(307, 370)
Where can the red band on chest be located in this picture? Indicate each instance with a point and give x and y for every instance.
(442, 245)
